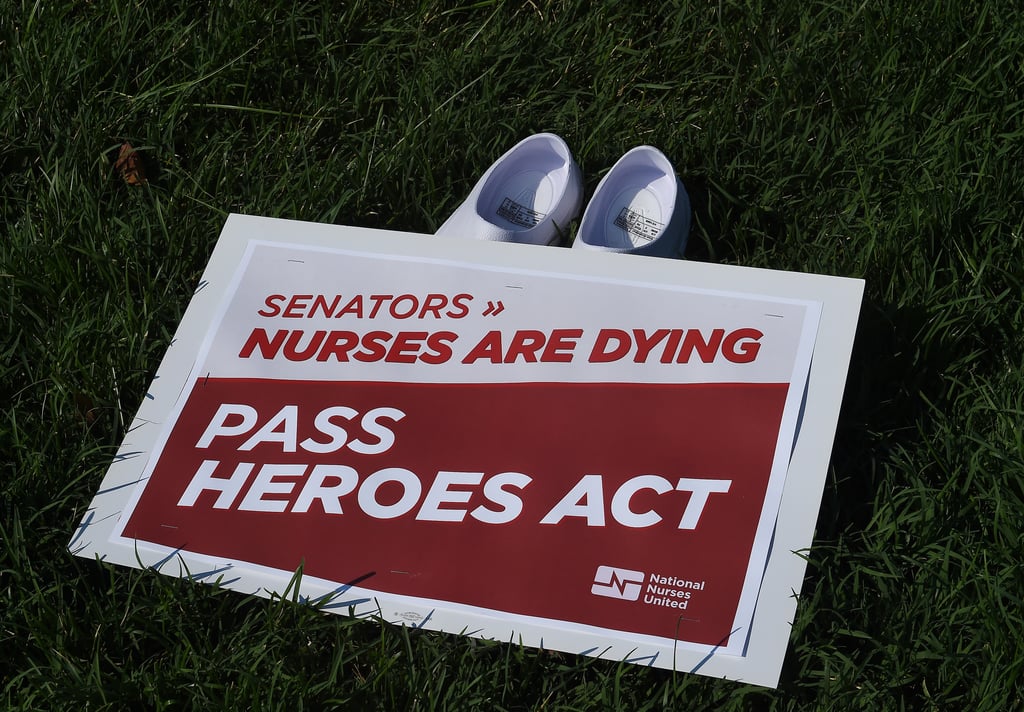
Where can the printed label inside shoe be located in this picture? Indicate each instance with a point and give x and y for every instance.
(519, 214)
(637, 225)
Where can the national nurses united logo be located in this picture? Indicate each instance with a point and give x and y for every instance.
(657, 589)
(618, 583)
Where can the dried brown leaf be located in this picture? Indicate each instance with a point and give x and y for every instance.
(129, 165)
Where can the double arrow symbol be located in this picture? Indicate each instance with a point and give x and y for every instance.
(494, 308)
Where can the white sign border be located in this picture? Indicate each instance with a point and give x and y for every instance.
(776, 603)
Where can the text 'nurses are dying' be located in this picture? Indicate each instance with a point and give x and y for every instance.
(519, 345)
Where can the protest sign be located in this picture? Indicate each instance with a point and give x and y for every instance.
(581, 452)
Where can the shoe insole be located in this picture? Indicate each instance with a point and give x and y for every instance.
(637, 209)
(525, 200)
(521, 193)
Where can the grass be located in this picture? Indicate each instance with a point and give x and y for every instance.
(881, 141)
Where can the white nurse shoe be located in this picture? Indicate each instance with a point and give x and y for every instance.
(640, 207)
(529, 195)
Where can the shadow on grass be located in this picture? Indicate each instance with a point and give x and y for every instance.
(727, 230)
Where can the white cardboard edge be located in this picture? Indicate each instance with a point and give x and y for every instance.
(794, 531)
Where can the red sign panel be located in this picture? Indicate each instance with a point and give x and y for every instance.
(626, 506)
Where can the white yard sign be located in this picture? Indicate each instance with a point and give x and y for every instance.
(602, 454)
